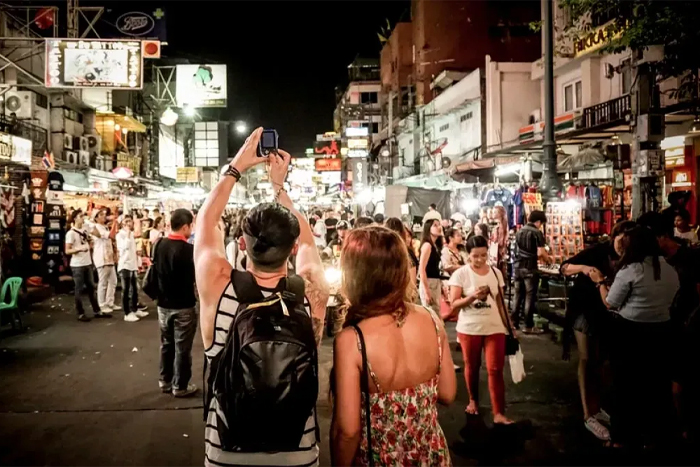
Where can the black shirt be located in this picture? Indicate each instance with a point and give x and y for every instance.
(432, 269)
(174, 263)
(528, 240)
(584, 296)
(686, 262)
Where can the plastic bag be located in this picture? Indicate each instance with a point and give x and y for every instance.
(517, 366)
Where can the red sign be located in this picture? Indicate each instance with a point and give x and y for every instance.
(327, 148)
(329, 165)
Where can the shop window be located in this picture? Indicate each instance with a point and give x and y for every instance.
(573, 96)
(626, 76)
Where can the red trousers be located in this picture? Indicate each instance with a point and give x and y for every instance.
(494, 347)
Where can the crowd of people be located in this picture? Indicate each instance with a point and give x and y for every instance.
(261, 294)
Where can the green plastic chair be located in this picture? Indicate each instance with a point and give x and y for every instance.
(12, 285)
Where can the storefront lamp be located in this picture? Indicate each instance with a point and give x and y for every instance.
(190, 111)
(117, 127)
(695, 127)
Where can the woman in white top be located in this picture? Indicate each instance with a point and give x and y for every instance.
(474, 293)
(157, 231)
(681, 227)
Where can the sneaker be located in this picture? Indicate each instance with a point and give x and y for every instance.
(102, 314)
(83, 318)
(131, 318)
(106, 311)
(141, 314)
(457, 368)
(598, 430)
(115, 307)
(165, 387)
(191, 389)
(141, 307)
(602, 417)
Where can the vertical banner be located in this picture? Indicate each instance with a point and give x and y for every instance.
(360, 175)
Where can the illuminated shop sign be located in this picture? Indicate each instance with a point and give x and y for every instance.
(357, 132)
(357, 153)
(596, 39)
(358, 143)
(327, 148)
(328, 165)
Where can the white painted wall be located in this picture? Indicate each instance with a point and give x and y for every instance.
(511, 95)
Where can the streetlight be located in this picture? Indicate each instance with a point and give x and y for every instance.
(190, 111)
(241, 128)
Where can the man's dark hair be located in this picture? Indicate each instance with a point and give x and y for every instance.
(433, 205)
(180, 218)
(75, 215)
(363, 221)
(379, 218)
(537, 216)
(126, 216)
(270, 231)
(477, 241)
(318, 213)
(661, 225)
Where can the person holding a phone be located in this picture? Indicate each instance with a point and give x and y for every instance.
(481, 325)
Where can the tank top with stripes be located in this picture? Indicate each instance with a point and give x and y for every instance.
(214, 456)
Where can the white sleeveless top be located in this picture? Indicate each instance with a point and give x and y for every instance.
(308, 452)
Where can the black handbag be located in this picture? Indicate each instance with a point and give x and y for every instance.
(150, 280)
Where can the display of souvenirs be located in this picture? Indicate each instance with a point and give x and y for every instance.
(7, 208)
(531, 202)
(564, 229)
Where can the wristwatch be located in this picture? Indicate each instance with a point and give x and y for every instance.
(230, 171)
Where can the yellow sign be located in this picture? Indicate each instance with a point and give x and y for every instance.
(596, 39)
(187, 175)
(358, 143)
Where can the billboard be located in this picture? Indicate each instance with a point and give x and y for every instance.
(77, 63)
(200, 85)
(143, 23)
(329, 165)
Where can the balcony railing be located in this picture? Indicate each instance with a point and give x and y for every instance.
(607, 112)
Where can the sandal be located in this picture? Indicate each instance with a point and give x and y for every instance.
(474, 411)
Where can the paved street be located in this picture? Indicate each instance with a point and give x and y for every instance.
(86, 394)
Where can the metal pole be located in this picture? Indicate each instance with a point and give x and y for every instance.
(550, 185)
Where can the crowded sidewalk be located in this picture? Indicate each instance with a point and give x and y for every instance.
(77, 393)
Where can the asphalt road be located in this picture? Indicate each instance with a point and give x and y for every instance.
(75, 393)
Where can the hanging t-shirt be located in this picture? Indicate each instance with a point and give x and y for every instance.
(480, 318)
(594, 201)
(55, 181)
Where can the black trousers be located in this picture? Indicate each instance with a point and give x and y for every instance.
(640, 358)
(83, 277)
(525, 299)
(177, 331)
(129, 286)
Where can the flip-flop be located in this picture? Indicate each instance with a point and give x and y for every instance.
(475, 412)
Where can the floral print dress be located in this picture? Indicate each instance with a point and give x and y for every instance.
(405, 427)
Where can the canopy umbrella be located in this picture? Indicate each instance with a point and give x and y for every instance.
(586, 157)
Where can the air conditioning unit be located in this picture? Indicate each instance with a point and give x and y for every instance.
(80, 143)
(535, 116)
(71, 157)
(84, 158)
(67, 141)
(20, 103)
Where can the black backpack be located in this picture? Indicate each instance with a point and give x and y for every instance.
(265, 379)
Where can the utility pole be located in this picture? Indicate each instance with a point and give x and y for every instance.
(550, 185)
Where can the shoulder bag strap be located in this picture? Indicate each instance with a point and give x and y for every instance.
(364, 386)
(502, 308)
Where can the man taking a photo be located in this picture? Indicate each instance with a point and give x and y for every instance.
(272, 232)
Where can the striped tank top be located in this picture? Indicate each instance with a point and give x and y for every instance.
(214, 456)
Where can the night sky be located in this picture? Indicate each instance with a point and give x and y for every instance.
(284, 58)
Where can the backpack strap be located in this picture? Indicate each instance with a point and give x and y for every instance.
(295, 285)
(246, 289)
(364, 387)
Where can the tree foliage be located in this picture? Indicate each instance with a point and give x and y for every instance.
(675, 24)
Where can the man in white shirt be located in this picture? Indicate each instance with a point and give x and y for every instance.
(128, 268)
(432, 214)
(103, 257)
(78, 247)
(320, 231)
